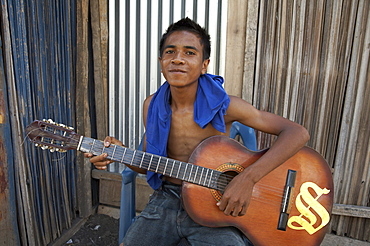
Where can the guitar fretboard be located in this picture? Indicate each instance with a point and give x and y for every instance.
(176, 169)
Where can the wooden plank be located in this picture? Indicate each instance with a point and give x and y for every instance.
(237, 15)
(315, 52)
(100, 88)
(104, 36)
(102, 174)
(326, 91)
(357, 190)
(110, 192)
(351, 210)
(282, 36)
(355, 95)
(331, 240)
(110, 185)
(82, 108)
(250, 50)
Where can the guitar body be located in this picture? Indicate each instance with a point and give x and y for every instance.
(309, 207)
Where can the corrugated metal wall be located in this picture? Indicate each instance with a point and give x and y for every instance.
(135, 30)
(39, 42)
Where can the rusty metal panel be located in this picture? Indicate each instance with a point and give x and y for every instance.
(8, 217)
(38, 54)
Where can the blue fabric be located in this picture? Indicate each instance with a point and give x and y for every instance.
(211, 98)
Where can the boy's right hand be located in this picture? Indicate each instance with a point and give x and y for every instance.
(101, 161)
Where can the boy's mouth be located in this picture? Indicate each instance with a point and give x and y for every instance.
(177, 71)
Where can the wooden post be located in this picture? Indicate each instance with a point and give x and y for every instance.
(235, 46)
(82, 108)
(98, 24)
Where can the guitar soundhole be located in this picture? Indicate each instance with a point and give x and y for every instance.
(229, 171)
(224, 180)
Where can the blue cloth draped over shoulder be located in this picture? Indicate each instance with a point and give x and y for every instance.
(210, 106)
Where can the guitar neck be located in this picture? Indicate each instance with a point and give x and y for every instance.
(176, 169)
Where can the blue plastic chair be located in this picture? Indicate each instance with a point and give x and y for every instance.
(127, 206)
(246, 133)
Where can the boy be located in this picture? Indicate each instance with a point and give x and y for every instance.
(190, 107)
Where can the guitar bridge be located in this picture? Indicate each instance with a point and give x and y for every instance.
(285, 204)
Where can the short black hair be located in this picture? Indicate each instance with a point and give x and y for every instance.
(186, 24)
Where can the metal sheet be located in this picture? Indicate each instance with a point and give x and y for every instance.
(8, 226)
(39, 57)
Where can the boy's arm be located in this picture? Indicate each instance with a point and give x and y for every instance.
(100, 161)
(291, 138)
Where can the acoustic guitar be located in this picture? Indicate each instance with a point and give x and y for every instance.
(289, 206)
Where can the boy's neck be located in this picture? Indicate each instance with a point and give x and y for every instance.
(183, 97)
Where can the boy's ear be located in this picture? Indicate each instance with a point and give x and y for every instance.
(205, 66)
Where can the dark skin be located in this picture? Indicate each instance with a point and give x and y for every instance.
(182, 63)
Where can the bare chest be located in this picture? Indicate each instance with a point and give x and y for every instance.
(185, 135)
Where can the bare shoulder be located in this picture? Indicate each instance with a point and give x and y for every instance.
(147, 101)
(146, 106)
(239, 109)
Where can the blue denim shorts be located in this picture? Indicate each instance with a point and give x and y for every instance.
(165, 222)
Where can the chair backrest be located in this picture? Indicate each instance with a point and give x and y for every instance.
(246, 133)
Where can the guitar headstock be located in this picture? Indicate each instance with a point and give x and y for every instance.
(52, 136)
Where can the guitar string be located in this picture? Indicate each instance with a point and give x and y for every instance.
(99, 148)
(145, 164)
(273, 191)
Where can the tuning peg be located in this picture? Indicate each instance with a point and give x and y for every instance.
(67, 127)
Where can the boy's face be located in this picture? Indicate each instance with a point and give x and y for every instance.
(182, 59)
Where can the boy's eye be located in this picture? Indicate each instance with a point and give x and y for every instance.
(169, 52)
(190, 53)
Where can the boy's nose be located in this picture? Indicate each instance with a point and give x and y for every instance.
(178, 59)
